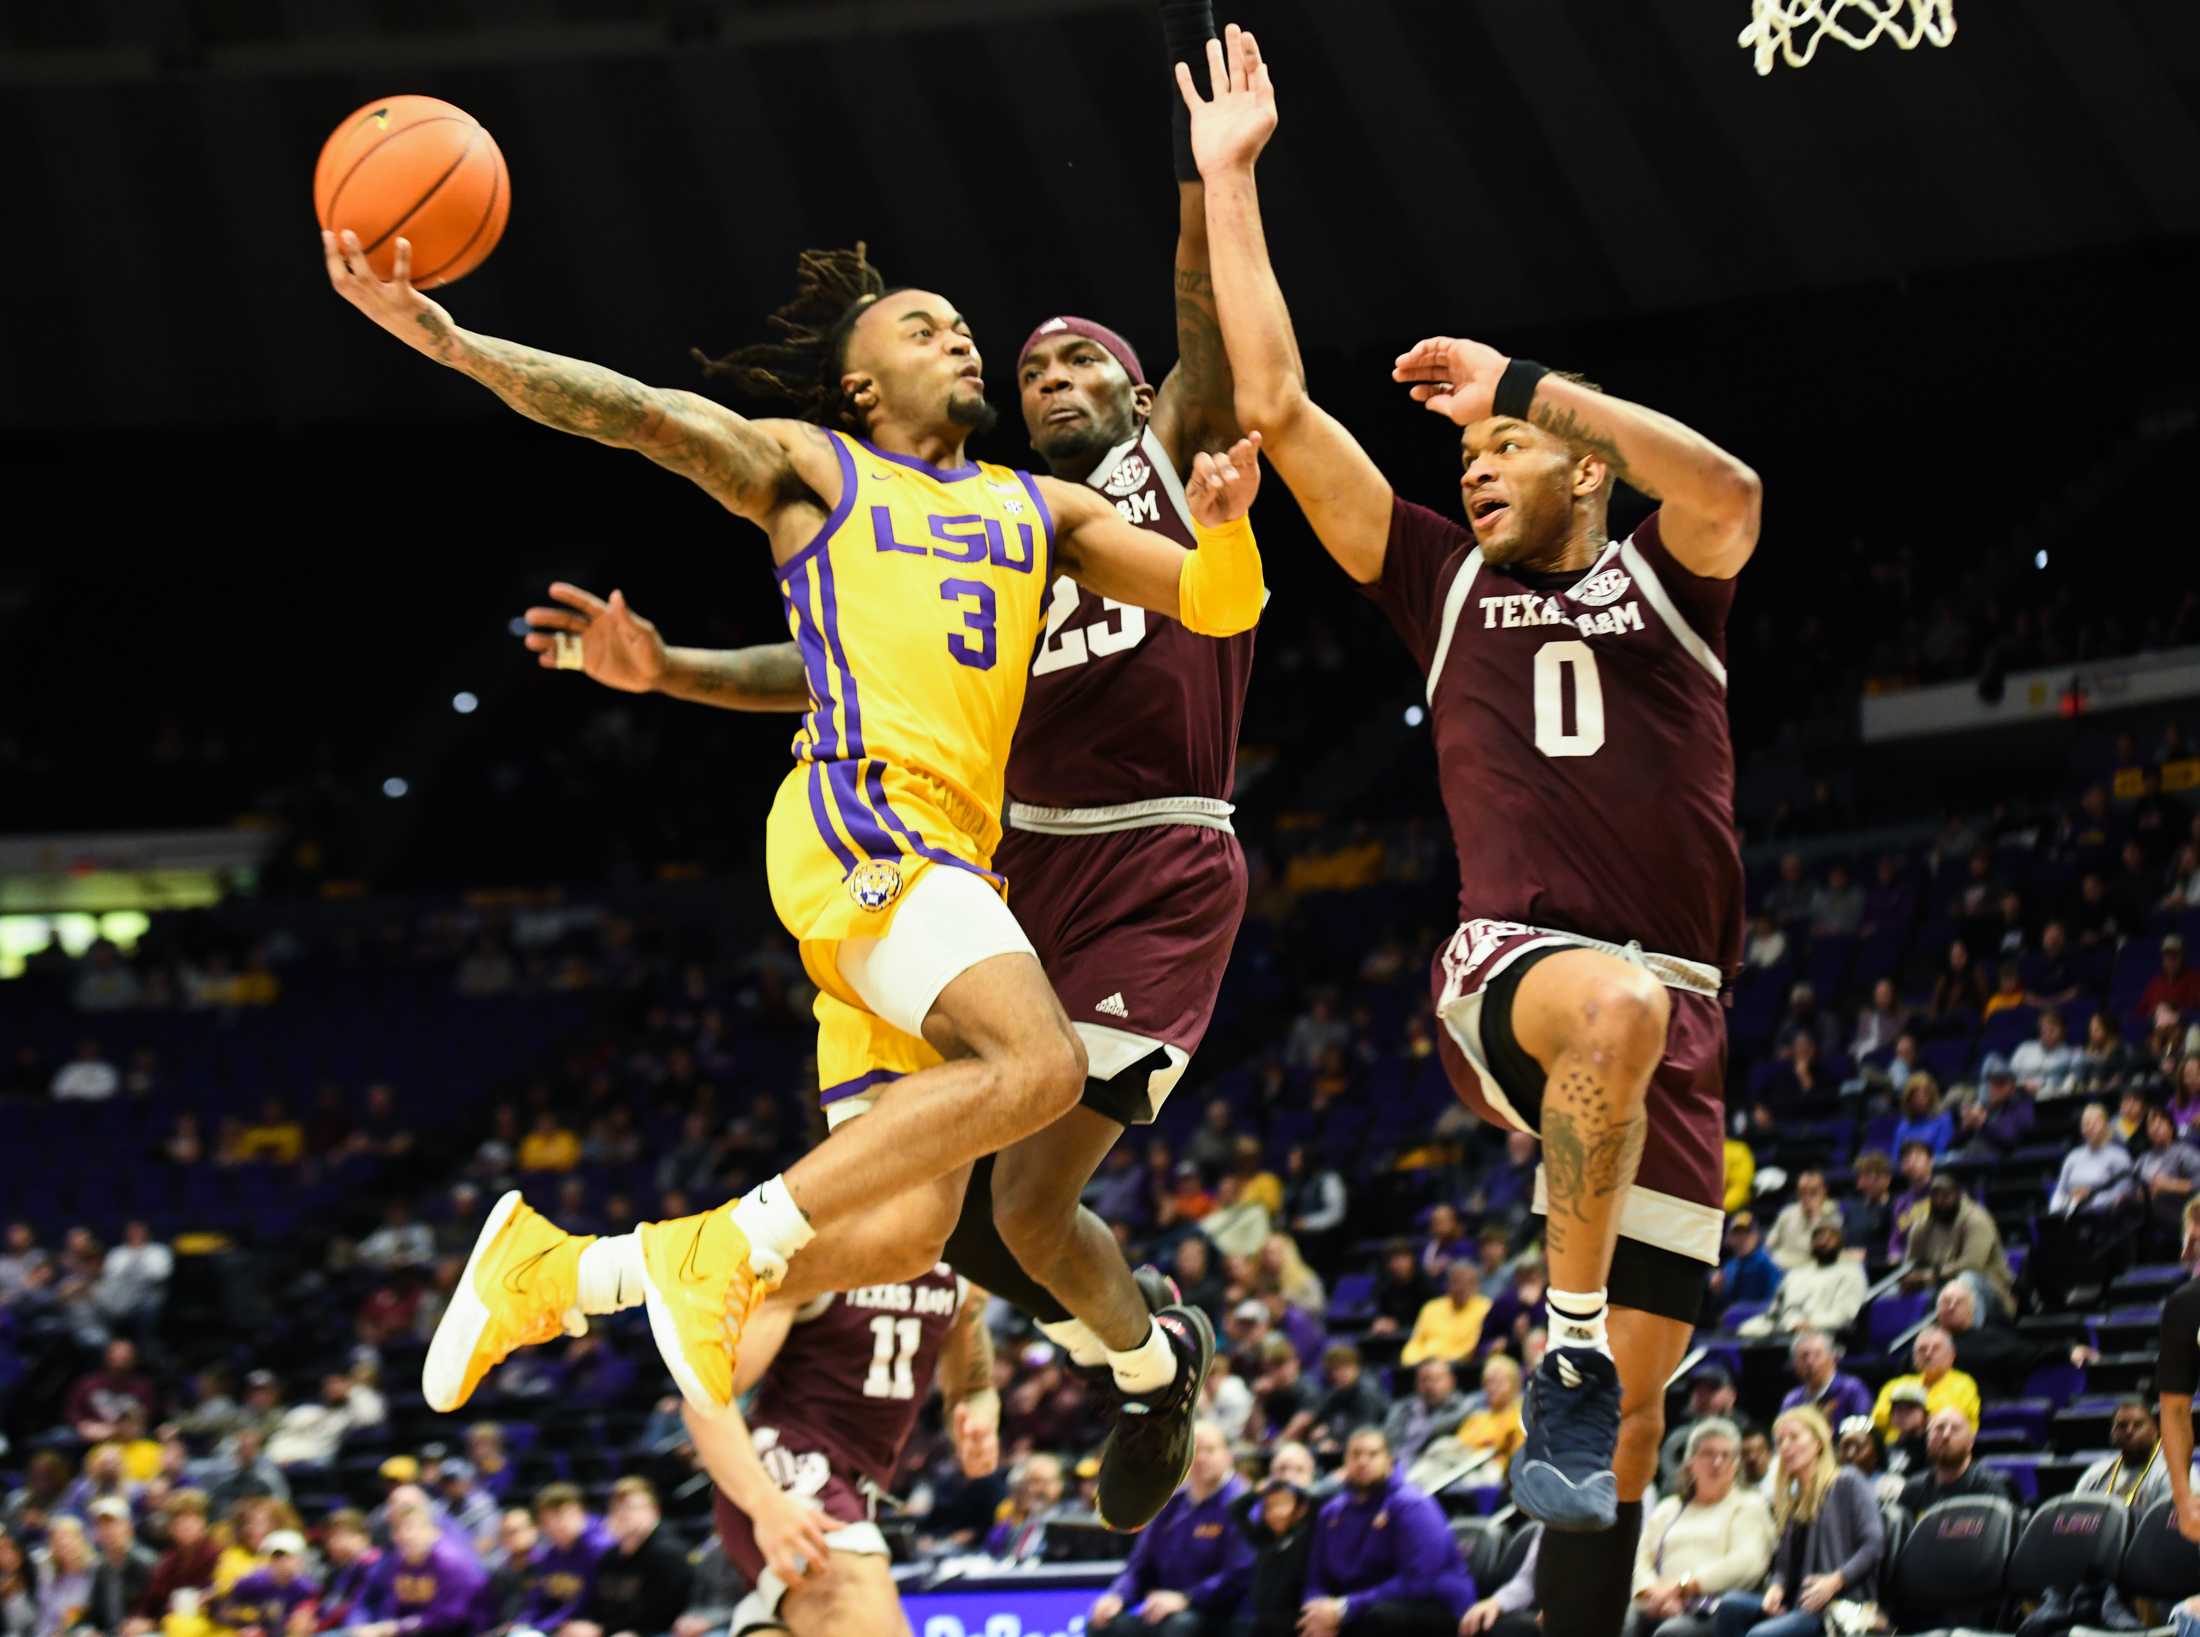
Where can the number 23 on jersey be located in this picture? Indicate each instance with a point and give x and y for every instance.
(1121, 627)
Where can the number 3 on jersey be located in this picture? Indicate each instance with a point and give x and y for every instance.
(1555, 662)
(1062, 649)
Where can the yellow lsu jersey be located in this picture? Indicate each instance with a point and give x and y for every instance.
(917, 610)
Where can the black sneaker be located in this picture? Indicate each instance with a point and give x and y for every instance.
(1149, 1450)
(1562, 1475)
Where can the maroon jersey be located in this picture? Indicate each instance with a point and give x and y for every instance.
(1126, 705)
(1581, 735)
(845, 1390)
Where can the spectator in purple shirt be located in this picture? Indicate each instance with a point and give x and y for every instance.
(1820, 1384)
(352, 1562)
(558, 1577)
(268, 1597)
(427, 1586)
(1190, 1567)
(2166, 1174)
(1916, 1162)
(1999, 1120)
(1383, 1556)
(1923, 1119)
(1301, 1328)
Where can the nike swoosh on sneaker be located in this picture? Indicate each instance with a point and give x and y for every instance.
(515, 1276)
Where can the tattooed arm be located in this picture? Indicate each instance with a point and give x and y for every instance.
(966, 1387)
(756, 469)
(1197, 405)
(1711, 502)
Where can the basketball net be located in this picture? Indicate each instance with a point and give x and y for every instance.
(1790, 30)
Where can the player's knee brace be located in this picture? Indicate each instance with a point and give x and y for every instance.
(1582, 1581)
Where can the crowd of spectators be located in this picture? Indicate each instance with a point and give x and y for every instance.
(1964, 1087)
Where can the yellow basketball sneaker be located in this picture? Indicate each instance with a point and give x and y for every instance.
(521, 1286)
(701, 1280)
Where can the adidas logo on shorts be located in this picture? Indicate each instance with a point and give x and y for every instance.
(1113, 1006)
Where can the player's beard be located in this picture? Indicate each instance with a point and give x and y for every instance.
(975, 413)
(1078, 447)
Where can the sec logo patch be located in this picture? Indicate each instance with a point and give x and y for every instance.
(875, 883)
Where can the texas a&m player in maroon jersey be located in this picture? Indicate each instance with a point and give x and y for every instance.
(1123, 867)
(799, 1479)
(1576, 691)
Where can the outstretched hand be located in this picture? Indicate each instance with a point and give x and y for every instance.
(1232, 127)
(1455, 378)
(1223, 486)
(616, 646)
(392, 303)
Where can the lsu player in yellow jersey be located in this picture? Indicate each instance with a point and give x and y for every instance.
(910, 575)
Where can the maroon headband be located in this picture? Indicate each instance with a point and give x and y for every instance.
(1099, 334)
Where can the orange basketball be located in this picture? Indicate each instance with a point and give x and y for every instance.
(420, 168)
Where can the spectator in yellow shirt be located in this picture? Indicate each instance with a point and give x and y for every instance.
(1257, 1184)
(141, 1455)
(1741, 1174)
(1946, 1387)
(1450, 1327)
(549, 1146)
(274, 1139)
(1496, 1425)
(2008, 993)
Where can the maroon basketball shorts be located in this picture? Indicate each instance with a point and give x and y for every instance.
(1134, 928)
(1672, 1218)
(809, 1473)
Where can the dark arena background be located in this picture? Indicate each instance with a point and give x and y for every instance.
(326, 915)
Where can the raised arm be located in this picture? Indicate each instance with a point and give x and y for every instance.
(755, 469)
(1345, 498)
(1216, 591)
(616, 646)
(1710, 501)
(1196, 407)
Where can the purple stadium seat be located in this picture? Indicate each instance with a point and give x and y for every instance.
(1352, 1299)
(2028, 1416)
(1894, 1313)
(2010, 1028)
(2022, 1471)
(1739, 1313)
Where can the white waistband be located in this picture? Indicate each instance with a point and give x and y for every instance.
(1670, 970)
(1207, 812)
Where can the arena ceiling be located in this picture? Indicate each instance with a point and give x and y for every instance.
(1479, 164)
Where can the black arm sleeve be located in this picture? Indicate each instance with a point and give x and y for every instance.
(2179, 1368)
(1186, 27)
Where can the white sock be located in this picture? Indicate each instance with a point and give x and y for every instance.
(1149, 1366)
(1577, 1319)
(1075, 1338)
(773, 1222)
(611, 1275)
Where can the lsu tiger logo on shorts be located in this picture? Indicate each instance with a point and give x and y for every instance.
(875, 883)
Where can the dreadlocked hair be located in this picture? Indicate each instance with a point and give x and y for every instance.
(803, 364)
